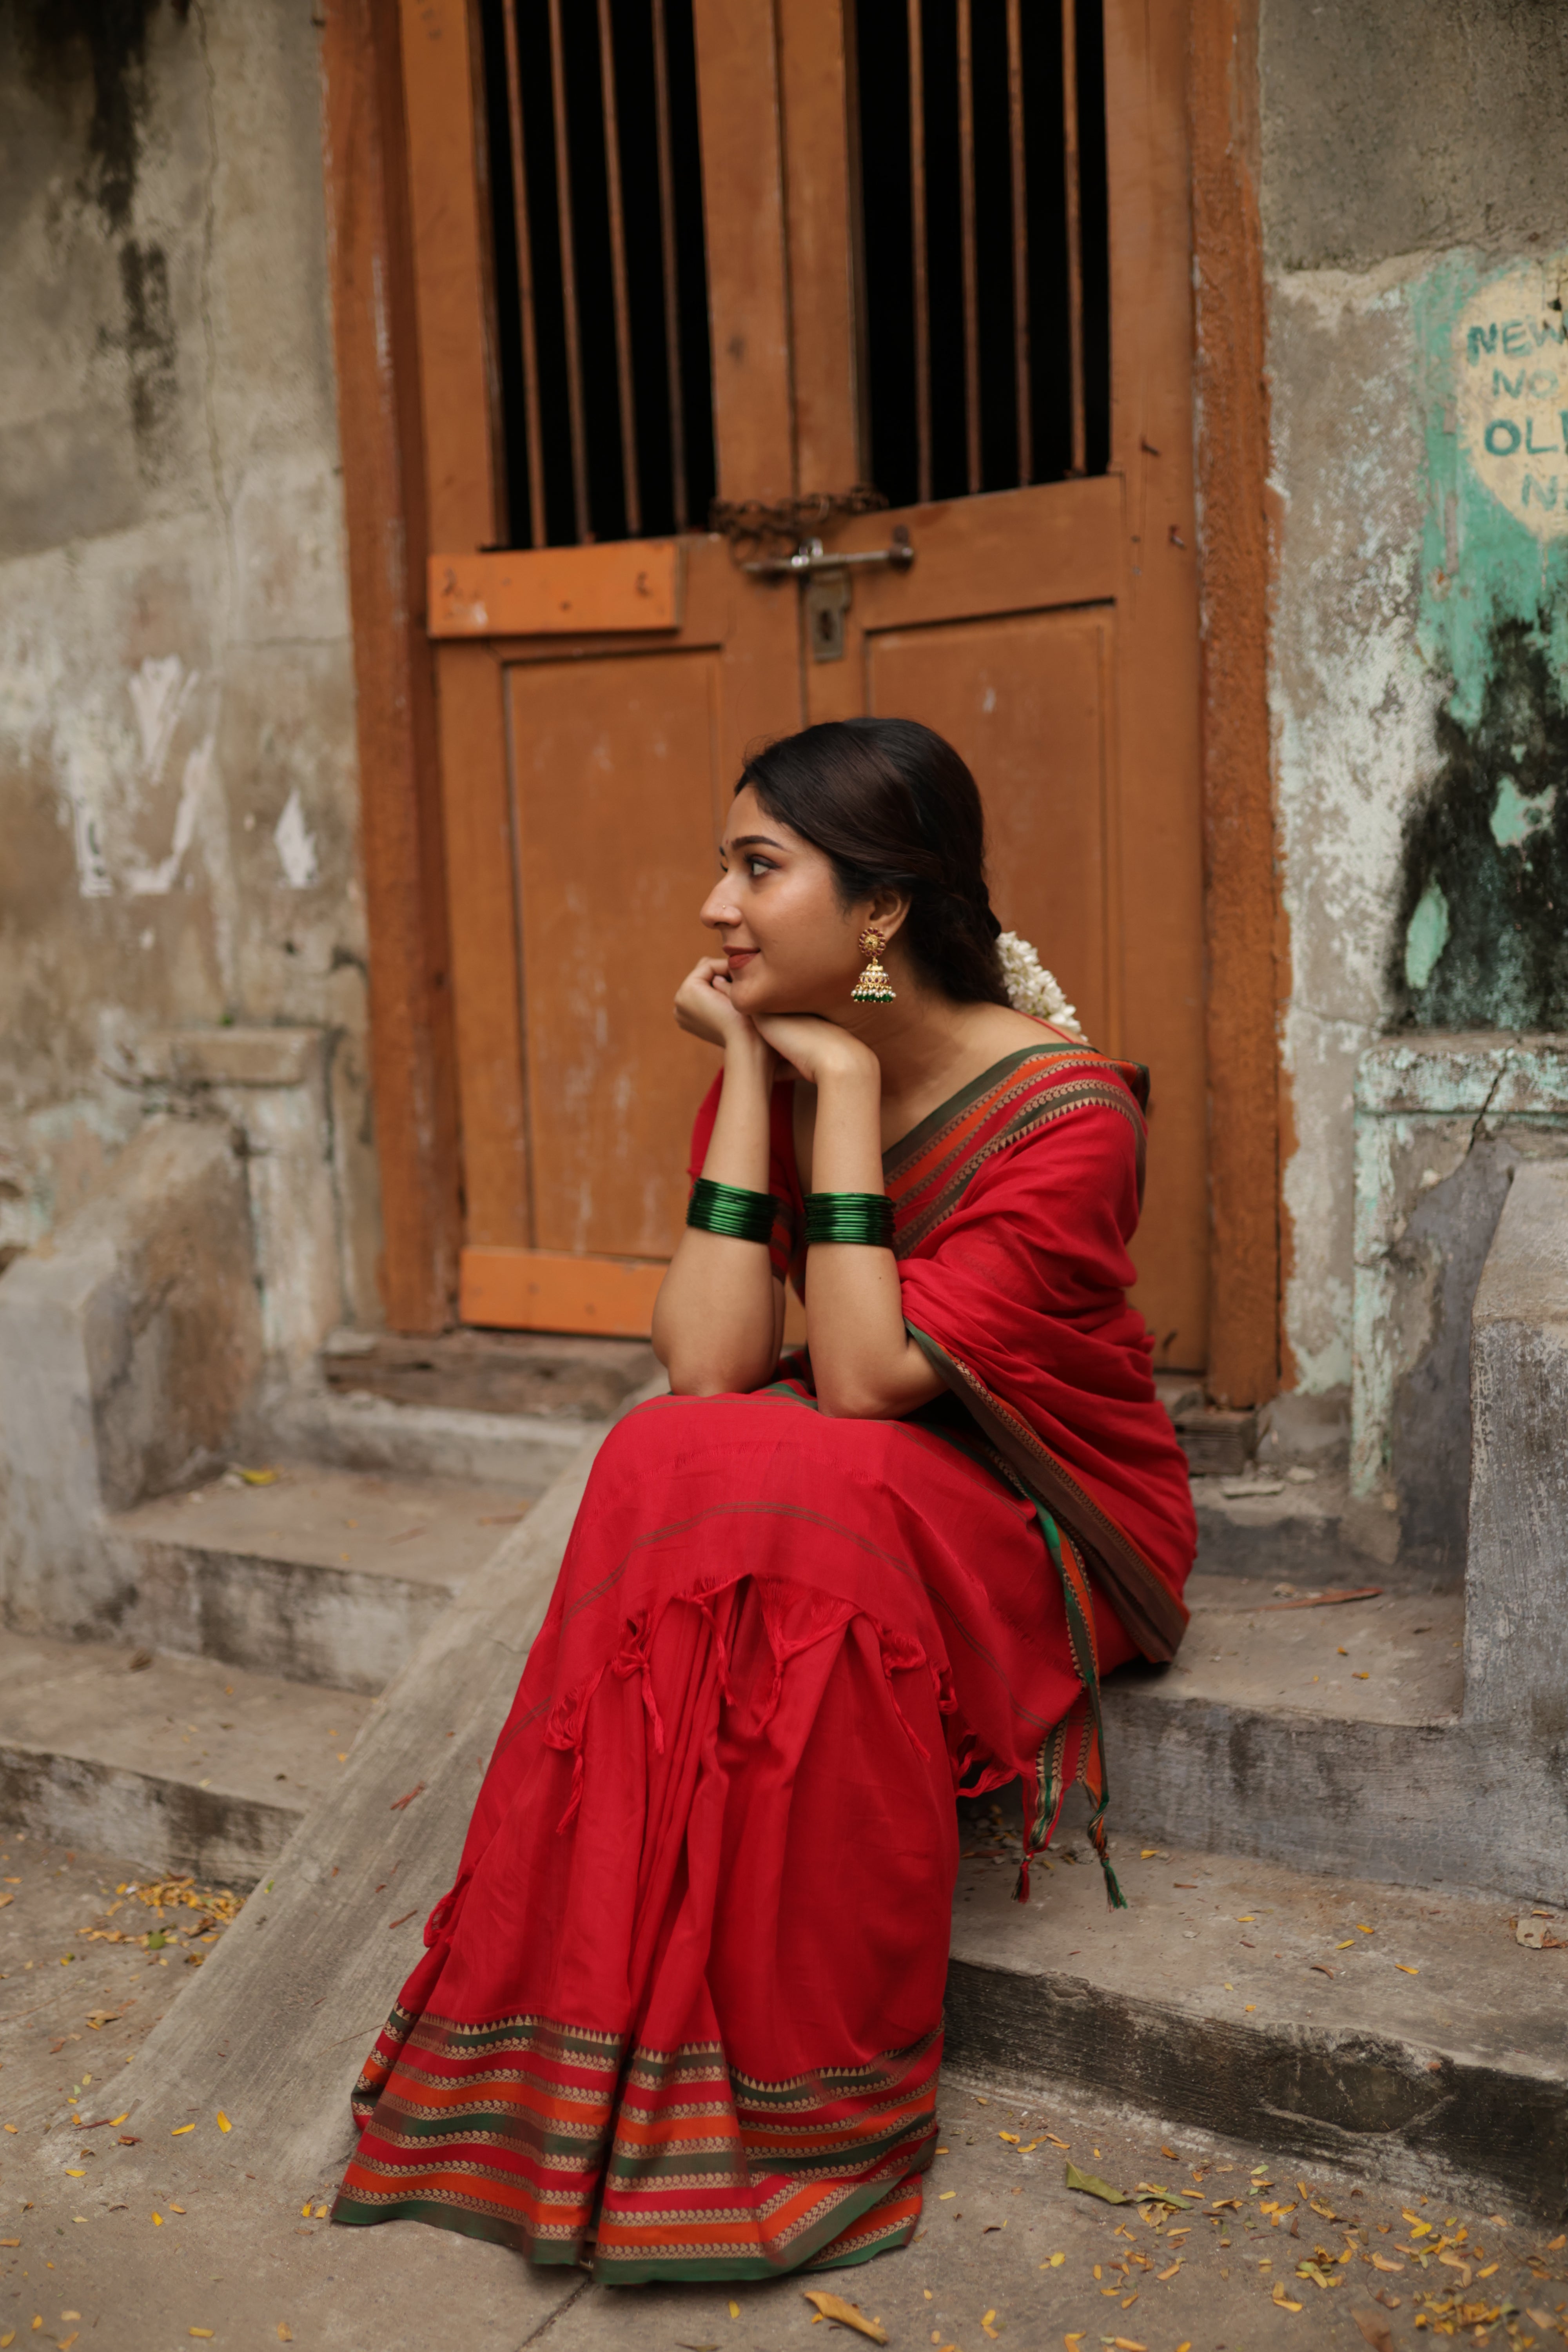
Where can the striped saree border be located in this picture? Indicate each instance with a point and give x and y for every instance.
(931, 1169)
(1152, 1614)
(651, 2165)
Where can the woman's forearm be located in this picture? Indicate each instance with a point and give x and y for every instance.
(719, 1319)
(863, 1361)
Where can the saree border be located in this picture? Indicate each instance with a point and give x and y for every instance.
(1151, 1612)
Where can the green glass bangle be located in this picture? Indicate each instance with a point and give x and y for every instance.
(729, 1209)
(849, 1217)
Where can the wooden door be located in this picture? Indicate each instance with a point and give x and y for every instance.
(596, 697)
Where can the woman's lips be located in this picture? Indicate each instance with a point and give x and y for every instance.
(738, 958)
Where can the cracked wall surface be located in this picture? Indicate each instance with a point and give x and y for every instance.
(177, 760)
(1418, 615)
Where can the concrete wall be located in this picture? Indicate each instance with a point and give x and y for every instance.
(178, 778)
(1414, 179)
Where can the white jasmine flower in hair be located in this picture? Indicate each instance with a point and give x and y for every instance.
(1032, 988)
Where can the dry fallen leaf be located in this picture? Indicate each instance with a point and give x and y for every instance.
(1282, 2299)
(1382, 2263)
(1539, 2318)
(255, 1478)
(1376, 2331)
(285, 2332)
(223, 2121)
(848, 2315)
(1092, 2185)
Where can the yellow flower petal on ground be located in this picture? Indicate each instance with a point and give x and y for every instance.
(223, 2121)
(180, 2130)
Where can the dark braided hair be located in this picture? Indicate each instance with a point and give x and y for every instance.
(894, 807)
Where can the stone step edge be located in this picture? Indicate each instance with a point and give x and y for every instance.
(1458, 1803)
(1375, 2104)
(150, 1821)
(315, 1424)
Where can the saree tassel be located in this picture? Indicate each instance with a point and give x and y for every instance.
(1115, 1899)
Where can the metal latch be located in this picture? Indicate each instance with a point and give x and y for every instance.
(828, 585)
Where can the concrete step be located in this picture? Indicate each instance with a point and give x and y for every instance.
(358, 1430)
(1293, 1521)
(319, 1575)
(511, 1372)
(1399, 2034)
(173, 1763)
(1262, 1740)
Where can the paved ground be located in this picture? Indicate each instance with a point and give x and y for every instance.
(172, 2239)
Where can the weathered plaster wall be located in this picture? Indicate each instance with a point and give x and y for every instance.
(1415, 186)
(178, 779)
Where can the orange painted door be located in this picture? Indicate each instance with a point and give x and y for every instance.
(943, 258)
(1050, 632)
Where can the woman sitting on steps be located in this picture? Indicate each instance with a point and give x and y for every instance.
(681, 2015)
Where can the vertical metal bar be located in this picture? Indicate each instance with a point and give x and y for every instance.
(966, 227)
(536, 517)
(1075, 233)
(671, 270)
(625, 388)
(917, 236)
(1022, 387)
(569, 279)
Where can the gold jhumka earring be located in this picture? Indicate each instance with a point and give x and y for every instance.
(873, 987)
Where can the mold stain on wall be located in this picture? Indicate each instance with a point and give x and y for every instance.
(1481, 938)
(64, 43)
(1481, 935)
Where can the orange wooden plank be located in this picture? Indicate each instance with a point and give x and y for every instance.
(748, 289)
(1248, 950)
(400, 837)
(1156, 820)
(482, 898)
(547, 1290)
(614, 801)
(451, 266)
(628, 585)
(812, 73)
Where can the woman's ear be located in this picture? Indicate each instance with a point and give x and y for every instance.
(889, 912)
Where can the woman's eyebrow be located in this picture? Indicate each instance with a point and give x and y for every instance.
(751, 841)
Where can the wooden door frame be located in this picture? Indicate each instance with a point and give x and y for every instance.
(420, 234)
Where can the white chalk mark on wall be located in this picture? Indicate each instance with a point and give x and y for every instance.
(296, 845)
(159, 694)
(83, 794)
(155, 881)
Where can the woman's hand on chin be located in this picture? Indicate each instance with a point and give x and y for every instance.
(704, 1007)
(818, 1050)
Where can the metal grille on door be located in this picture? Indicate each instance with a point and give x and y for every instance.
(981, 260)
(601, 293)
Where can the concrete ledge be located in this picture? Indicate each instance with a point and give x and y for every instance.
(1516, 1634)
(361, 1432)
(171, 1764)
(234, 1057)
(1458, 2069)
(129, 1344)
(1409, 1804)
(160, 1824)
(276, 2027)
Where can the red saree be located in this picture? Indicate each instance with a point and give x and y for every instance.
(681, 2015)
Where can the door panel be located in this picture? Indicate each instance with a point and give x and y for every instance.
(615, 788)
(1025, 701)
(1018, 216)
